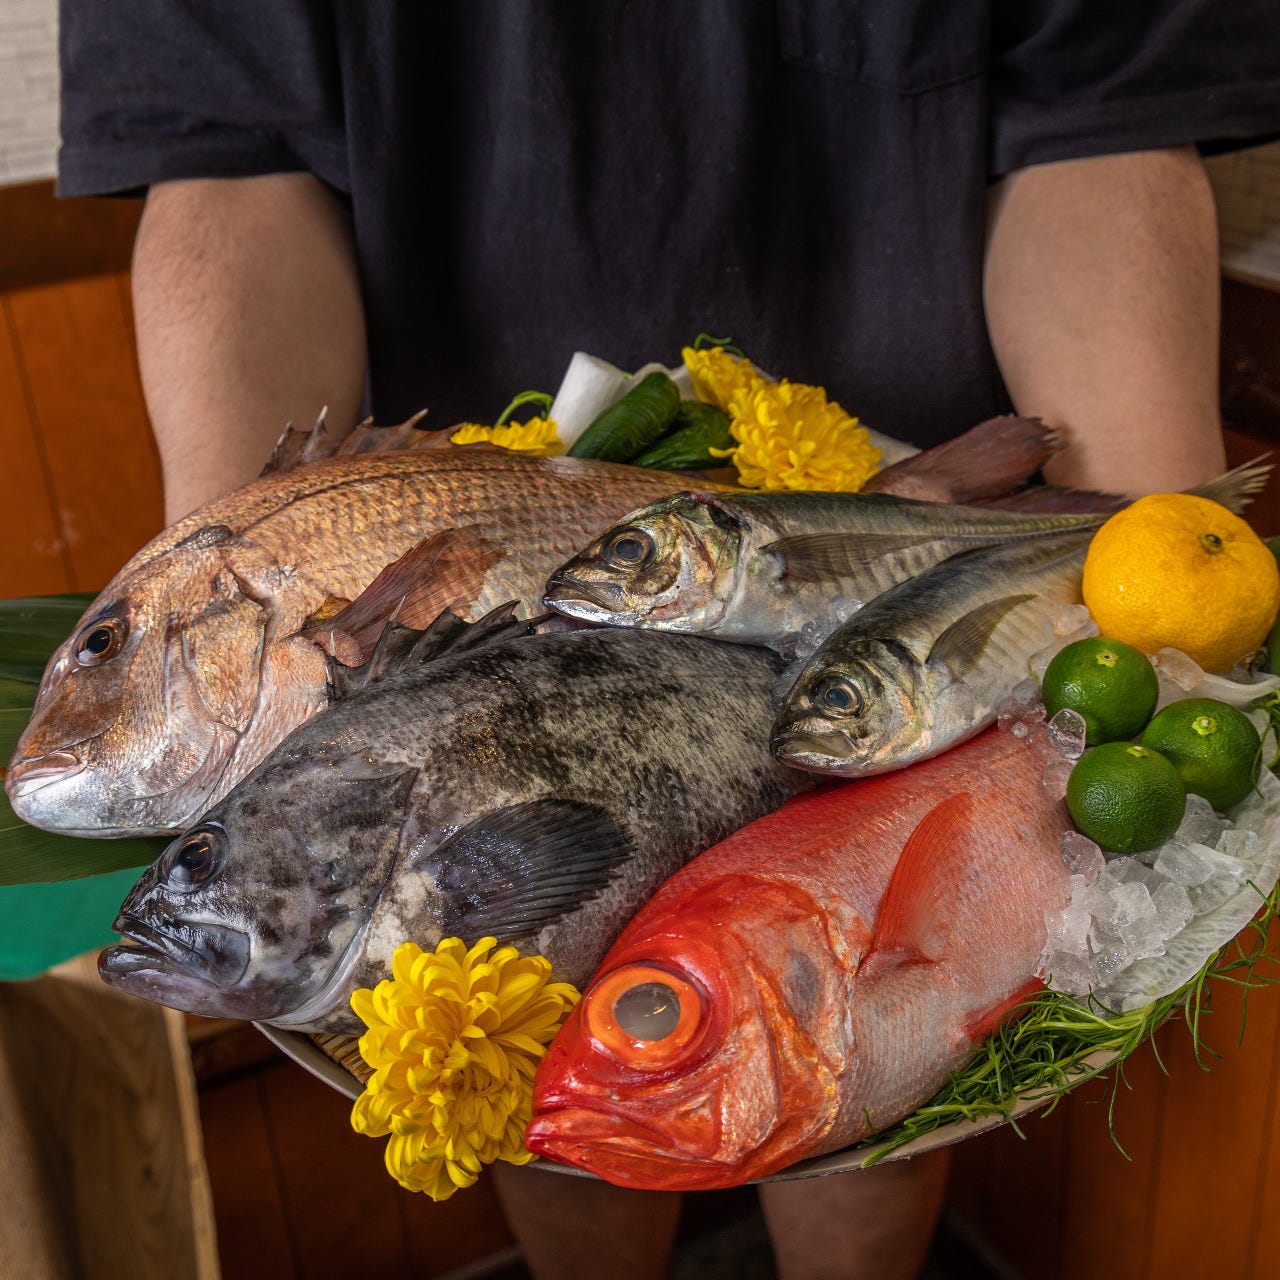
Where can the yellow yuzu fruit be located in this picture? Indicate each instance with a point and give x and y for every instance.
(1178, 570)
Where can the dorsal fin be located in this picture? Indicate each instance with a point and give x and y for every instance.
(366, 438)
(295, 447)
(917, 906)
(447, 568)
(512, 872)
(400, 648)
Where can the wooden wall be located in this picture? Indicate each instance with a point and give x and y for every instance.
(298, 1195)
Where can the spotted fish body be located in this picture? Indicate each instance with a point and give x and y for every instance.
(925, 665)
(538, 789)
(191, 666)
(811, 979)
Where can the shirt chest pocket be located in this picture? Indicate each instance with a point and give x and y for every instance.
(905, 45)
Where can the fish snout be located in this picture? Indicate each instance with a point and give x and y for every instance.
(216, 953)
(569, 594)
(31, 773)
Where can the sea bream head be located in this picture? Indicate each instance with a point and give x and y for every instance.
(701, 1055)
(857, 708)
(671, 566)
(160, 695)
(258, 911)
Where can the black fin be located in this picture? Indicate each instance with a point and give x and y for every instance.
(810, 556)
(401, 648)
(513, 872)
(960, 647)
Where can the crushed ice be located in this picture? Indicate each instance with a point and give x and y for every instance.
(1137, 928)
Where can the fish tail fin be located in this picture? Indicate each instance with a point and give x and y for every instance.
(1236, 488)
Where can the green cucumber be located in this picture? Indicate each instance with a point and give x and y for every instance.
(698, 428)
(632, 424)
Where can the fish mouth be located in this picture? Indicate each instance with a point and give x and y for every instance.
(817, 752)
(592, 601)
(27, 776)
(621, 1150)
(214, 953)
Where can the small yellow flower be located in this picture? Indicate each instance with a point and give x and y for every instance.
(537, 436)
(454, 1039)
(717, 374)
(790, 436)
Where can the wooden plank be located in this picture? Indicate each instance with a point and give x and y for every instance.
(75, 348)
(33, 562)
(253, 1238)
(48, 240)
(339, 1201)
(100, 1085)
(457, 1232)
(1266, 1207)
(1263, 513)
(1213, 1142)
(1106, 1192)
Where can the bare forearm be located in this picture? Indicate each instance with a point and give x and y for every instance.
(248, 316)
(1102, 298)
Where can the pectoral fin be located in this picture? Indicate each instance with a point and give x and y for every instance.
(961, 646)
(915, 913)
(513, 872)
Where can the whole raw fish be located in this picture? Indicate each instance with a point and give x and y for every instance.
(761, 568)
(191, 665)
(812, 979)
(766, 567)
(536, 789)
(924, 665)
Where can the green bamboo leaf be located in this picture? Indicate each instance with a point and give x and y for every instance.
(31, 628)
(16, 697)
(31, 856)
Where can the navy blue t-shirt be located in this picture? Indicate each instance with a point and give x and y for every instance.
(528, 178)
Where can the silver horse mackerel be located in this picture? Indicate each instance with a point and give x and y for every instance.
(925, 665)
(538, 789)
(759, 568)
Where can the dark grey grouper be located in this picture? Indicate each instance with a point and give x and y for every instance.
(539, 789)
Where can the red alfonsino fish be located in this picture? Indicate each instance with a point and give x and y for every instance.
(811, 979)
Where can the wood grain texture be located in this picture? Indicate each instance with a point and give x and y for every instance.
(35, 560)
(102, 1086)
(48, 240)
(75, 350)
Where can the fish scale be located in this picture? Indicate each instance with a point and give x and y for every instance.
(839, 957)
(212, 671)
(554, 779)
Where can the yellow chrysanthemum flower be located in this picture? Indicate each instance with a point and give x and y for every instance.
(454, 1039)
(717, 375)
(537, 436)
(790, 436)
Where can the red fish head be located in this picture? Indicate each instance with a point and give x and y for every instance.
(700, 1042)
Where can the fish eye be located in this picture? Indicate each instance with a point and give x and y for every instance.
(99, 642)
(629, 549)
(193, 860)
(836, 696)
(644, 1016)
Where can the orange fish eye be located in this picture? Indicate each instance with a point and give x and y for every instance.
(99, 642)
(643, 1015)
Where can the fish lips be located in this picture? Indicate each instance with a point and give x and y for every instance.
(592, 602)
(185, 951)
(621, 1150)
(817, 751)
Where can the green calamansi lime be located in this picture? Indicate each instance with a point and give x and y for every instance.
(1125, 797)
(1214, 747)
(1112, 685)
